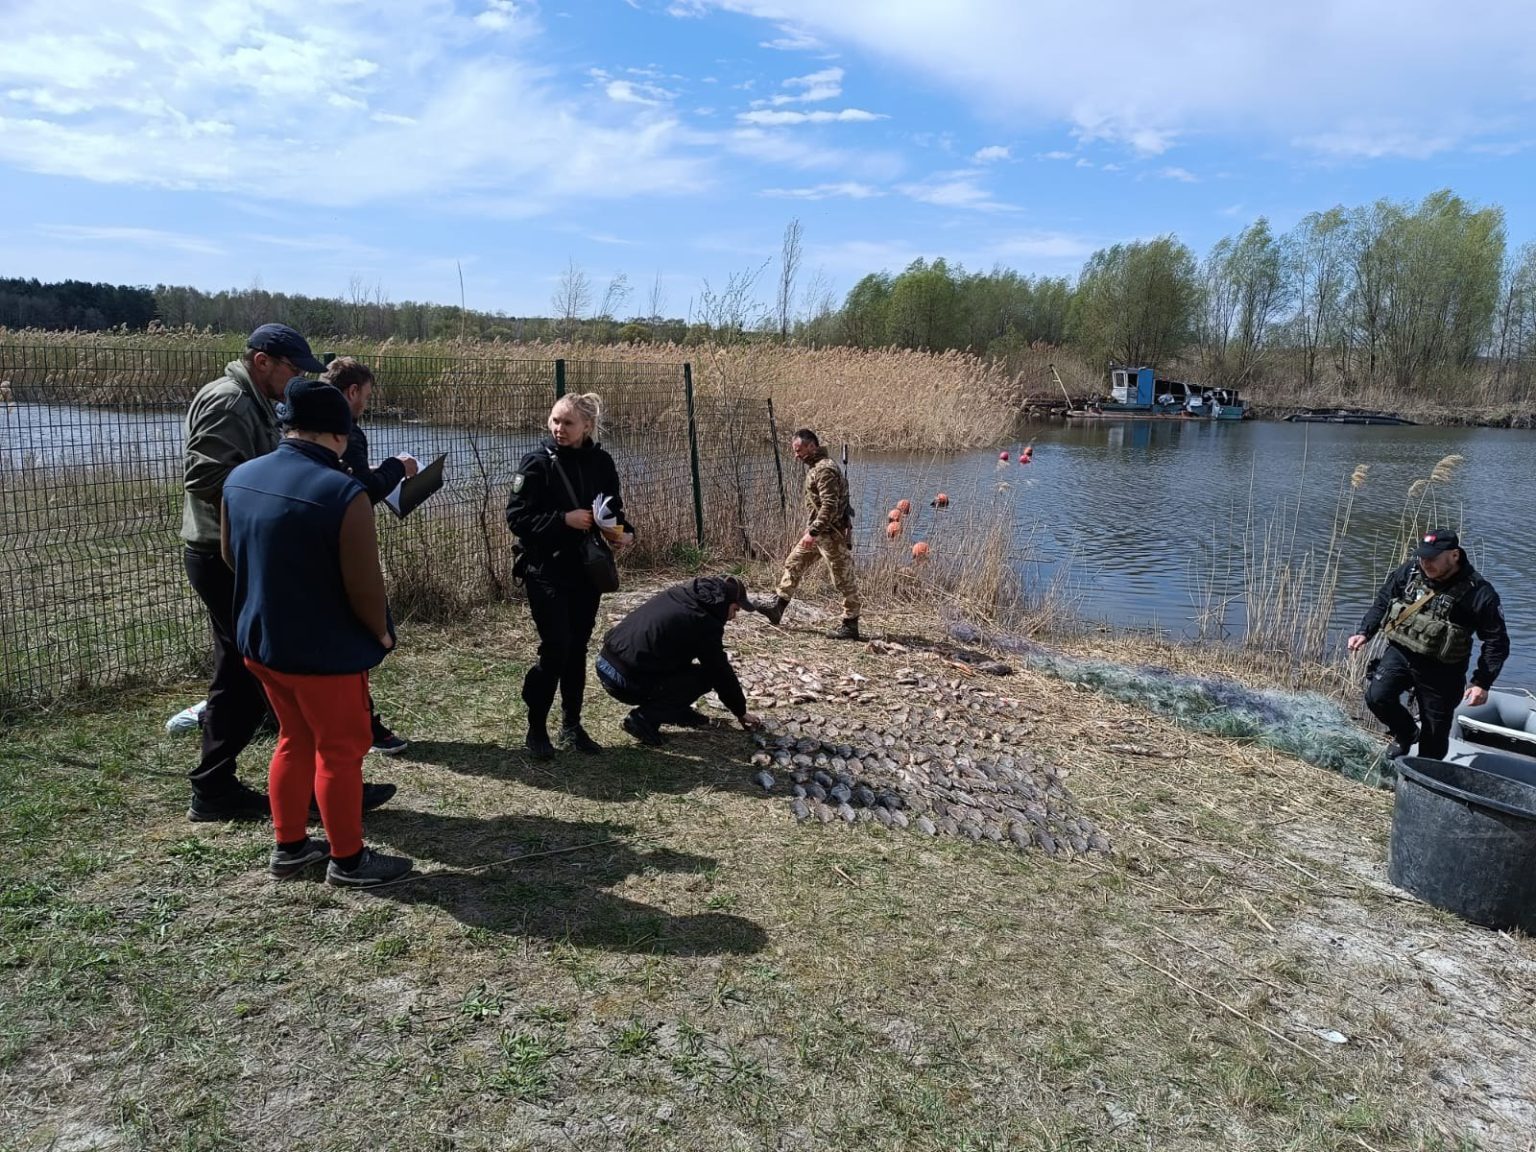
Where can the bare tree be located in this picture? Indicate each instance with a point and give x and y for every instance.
(729, 312)
(572, 297)
(658, 300)
(615, 296)
(789, 268)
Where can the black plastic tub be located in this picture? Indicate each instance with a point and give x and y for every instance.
(1464, 838)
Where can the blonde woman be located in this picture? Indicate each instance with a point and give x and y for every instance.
(549, 525)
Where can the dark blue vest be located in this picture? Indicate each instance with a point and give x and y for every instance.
(291, 610)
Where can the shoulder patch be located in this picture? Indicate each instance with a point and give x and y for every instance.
(518, 480)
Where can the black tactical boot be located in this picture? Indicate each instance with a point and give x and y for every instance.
(847, 630)
(775, 611)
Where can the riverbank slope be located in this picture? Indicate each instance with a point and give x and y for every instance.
(646, 950)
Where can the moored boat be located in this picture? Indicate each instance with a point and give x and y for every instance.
(1345, 416)
(1140, 394)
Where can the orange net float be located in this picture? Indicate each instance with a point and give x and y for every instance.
(904, 506)
(893, 530)
(894, 515)
(920, 550)
(941, 501)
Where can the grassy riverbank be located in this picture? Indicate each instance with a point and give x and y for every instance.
(674, 962)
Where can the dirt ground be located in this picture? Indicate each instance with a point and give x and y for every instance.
(645, 950)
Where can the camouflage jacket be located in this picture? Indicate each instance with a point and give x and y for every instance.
(826, 496)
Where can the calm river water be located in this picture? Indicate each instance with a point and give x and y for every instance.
(1134, 519)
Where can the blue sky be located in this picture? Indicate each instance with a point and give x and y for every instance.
(308, 144)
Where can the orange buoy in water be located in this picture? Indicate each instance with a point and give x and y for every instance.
(893, 530)
(941, 501)
(920, 550)
(1027, 455)
(904, 505)
(894, 515)
(1003, 456)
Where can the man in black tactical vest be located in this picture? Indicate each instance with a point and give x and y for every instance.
(1429, 609)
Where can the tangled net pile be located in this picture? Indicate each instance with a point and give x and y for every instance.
(1303, 724)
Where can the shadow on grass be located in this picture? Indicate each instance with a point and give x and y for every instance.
(561, 897)
(712, 757)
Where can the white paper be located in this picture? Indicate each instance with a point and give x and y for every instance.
(602, 515)
(393, 499)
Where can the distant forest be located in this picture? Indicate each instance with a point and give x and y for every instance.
(1396, 295)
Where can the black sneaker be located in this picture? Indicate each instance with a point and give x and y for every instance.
(237, 803)
(638, 726)
(372, 870)
(688, 718)
(575, 736)
(773, 610)
(538, 746)
(386, 743)
(374, 796)
(847, 630)
(285, 864)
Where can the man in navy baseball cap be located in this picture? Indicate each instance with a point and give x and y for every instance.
(283, 343)
(1431, 610)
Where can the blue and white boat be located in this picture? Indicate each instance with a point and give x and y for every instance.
(1140, 394)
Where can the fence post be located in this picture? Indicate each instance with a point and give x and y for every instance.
(693, 456)
(778, 466)
(559, 379)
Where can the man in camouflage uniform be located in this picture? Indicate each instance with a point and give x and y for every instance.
(1430, 609)
(828, 534)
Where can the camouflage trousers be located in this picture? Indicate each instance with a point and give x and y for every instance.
(839, 557)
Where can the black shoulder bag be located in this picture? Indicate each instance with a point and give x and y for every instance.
(596, 557)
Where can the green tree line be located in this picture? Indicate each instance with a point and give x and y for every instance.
(1405, 295)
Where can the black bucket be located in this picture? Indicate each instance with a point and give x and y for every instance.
(1464, 838)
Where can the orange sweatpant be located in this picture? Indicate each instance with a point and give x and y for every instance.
(323, 734)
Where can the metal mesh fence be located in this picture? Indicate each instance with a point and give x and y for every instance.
(92, 592)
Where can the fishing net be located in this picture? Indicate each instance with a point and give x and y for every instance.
(1304, 724)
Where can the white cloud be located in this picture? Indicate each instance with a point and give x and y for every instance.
(1182, 175)
(991, 154)
(793, 40)
(1435, 74)
(954, 190)
(1083, 162)
(847, 189)
(1057, 155)
(139, 237)
(186, 97)
(845, 116)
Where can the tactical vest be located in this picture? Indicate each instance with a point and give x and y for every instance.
(840, 483)
(1429, 631)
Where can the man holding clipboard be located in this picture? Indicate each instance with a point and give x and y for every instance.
(354, 380)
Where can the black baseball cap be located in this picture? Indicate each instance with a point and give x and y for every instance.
(1436, 541)
(281, 340)
(310, 406)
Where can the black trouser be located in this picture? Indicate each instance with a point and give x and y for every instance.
(1436, 685)
(236, 702)
(661, 699)
(564, 608)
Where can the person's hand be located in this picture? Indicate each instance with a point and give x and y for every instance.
(579, 519)
(1355, 642)
(751, 722)
(412, 465)
(807, 542)
(1475, 695)
(624, 541)
(387, 640)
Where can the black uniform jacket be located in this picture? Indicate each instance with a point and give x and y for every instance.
(538, 504)
(377, 482)
(673, 629)
(1477, 611)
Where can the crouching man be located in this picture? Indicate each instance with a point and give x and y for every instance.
(669, 652)
(310, 621)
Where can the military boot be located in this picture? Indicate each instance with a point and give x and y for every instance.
(775, 611)
(847, 630)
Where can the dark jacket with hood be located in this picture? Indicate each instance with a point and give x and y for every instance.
(377, 482)
(1476, 608)
(538, 504)
(673, 629)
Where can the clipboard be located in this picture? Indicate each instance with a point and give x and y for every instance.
(410, 493)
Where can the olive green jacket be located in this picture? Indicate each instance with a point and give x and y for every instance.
(228, 423)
